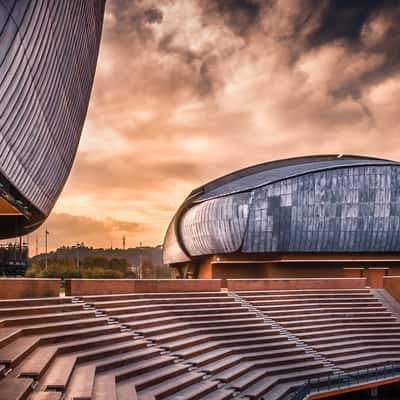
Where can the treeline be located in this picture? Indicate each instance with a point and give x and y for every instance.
(94, 267)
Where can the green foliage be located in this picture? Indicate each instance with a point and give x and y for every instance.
(93, 267)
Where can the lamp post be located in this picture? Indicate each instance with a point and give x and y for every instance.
(78, 266)
(45, 248)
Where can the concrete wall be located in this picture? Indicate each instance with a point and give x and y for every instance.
(392, 285)
(306, 283)
(25, 288)
(80, 287)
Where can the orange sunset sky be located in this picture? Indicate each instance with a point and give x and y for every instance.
(188, 90)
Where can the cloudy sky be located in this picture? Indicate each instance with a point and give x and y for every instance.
(188, 90)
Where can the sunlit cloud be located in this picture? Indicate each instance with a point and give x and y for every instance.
(188, 90)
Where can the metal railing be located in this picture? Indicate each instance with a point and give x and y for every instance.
(345, 380)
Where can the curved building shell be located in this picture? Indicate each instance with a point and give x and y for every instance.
(48, 58)
(308, 205)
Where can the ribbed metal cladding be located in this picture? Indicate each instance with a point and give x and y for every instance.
(48, 56)
(338, 209)
(172, 250)
(215, 226)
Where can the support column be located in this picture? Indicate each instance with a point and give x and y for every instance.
(375, 277)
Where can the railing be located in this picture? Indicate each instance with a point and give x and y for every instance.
(345, 380)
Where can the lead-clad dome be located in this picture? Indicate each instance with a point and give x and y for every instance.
(331, 203)
(48, 58)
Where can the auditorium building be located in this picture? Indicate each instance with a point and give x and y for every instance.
(315, 216)
(48, 58)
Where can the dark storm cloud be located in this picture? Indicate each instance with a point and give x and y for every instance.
(188, 90)
(345, 19)
(153, 16)
(240, 15)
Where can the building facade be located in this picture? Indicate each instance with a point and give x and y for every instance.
(48, 57)
(278, 218)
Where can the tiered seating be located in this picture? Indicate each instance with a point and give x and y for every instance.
(187, 346)
(45, 339)
(351, 328)
(219, 347)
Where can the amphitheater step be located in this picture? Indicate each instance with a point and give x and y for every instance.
(59, 374)
(104, 388)
(194, 392)
(19, 348)
(144, 381)
(15, 388)
(265, 386)
(171, 386)
(46, 309)
(126, 392)
(38, 361)
(82, 383)
(219, 394)
(130, 357)
(141, 367)
(46, 396)
(34, 302)
(46, 318)
(133, 296)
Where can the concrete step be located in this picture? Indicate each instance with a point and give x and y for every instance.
(59, 373)
(127, 358)
(82, 383)
(244, 293)
(168, 295)
(194, 317)
(208, 325)
(171, 386)
(318, 329)
(168, 312)
(195, 391)
(14, 303)
(318, 309)
(157, 375)
(370, 340)
(46, 396)
(35, 366)
(104, 388)
(225, 332)
(133, 370)
(15, 388)
(126, 391)
(183, 302)
(13, 353)
(219, 394)
(307, 368)
(349, 314)
(45, 318)
(45, 309)
(352, 321)
(345, 334)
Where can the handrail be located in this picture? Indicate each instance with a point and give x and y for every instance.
(344, 380)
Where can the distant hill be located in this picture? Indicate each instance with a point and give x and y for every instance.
(132, 255)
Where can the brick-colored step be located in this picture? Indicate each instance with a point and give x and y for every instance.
(194, 392)
(15, 388)
(59, 374)
(173, 385)
(46, 396)
(82, 383)
(104, 388)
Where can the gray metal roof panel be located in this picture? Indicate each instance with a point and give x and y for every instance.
(267, 176)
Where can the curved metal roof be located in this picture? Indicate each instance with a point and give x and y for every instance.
(250, 210)
(269, 172)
